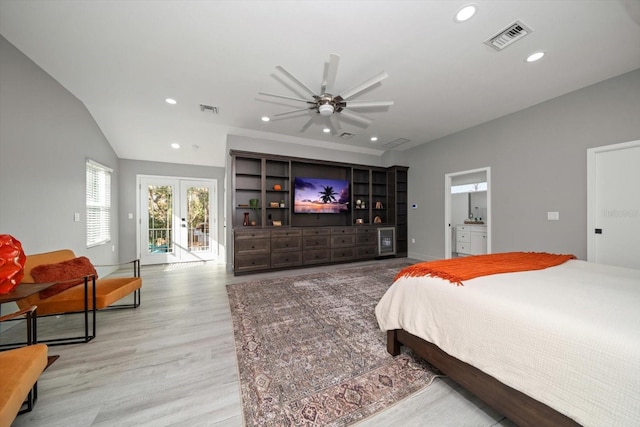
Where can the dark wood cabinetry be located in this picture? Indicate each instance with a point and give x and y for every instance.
(397, 183)
(269, 235)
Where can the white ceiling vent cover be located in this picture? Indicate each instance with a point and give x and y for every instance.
(396, 142)
(509, 35)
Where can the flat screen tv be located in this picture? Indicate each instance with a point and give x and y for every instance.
(320, 195)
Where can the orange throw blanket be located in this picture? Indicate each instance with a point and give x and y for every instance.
(456, 270)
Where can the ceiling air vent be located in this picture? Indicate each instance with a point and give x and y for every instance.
(395, 143)
(205, 107)
(509, 35)
(346, 135)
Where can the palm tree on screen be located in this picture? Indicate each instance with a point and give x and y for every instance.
(327, 195)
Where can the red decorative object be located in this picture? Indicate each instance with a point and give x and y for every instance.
(277, 187)
(12, 259)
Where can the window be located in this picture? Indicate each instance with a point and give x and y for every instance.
(98, 203)
(469, 188)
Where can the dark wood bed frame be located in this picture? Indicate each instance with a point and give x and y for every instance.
(515, 405)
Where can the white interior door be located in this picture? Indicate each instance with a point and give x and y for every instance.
(613, 215)
(177, 220)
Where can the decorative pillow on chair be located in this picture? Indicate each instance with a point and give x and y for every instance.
(68, 273)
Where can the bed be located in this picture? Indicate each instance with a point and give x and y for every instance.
(557, 346)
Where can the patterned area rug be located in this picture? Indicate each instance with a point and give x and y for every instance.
(310, 352)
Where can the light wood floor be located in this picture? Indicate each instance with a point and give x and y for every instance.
(171, 362)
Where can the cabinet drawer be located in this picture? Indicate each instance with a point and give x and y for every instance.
(342, 254)
(343, 241)
(251, 234)
(316, 232)
(366, 239)
(281, 244)
(251, 262)
(463, 247)
(370, 251)
(252, 246)
(286, 259)
(366, 230)
(310, 242)
(463, 236)
(337, 231)
(315, 256)
(291, 232)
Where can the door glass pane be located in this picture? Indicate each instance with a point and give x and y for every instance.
(160, 219)
(198, 218)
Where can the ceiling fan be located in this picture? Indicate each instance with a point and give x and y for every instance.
(328, 105)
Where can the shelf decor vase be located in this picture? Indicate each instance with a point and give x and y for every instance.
(12, 259)
(245, 221)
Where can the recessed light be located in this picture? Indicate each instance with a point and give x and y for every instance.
(265, 119)
(326, 130)
(175, 145)
(171, 101)
(374, 138)
(535, 57)
(466, 13)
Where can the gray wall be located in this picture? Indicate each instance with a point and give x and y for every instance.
(130, 169)
(45, 136)
(538, 160)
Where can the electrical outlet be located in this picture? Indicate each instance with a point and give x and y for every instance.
(413, 240)
(553, 216)
(76, 217)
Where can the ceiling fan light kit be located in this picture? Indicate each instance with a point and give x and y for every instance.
(332, 106)
(325, 109)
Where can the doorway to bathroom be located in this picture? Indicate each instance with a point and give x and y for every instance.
(467, 212)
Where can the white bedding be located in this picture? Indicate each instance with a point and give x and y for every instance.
(568, 336)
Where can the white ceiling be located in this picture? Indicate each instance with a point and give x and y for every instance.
(123, 58)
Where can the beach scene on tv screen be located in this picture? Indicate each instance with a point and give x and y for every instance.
(319, 195)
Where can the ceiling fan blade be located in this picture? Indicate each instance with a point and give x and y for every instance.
(330, 71)
(286, 97)
(364, 85)
(297, 110)
(307, 124)
(334, 125)
(355, 116)
(368, 104)
(298, 82)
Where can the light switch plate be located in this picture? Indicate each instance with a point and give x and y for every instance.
(76, 217)
(553, 216)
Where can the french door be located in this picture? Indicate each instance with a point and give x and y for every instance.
(178, 220)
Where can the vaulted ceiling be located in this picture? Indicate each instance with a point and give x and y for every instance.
(122, 59)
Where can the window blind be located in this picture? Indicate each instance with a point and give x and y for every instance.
(98, 203)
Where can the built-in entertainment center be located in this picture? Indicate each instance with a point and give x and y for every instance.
(294, 212)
